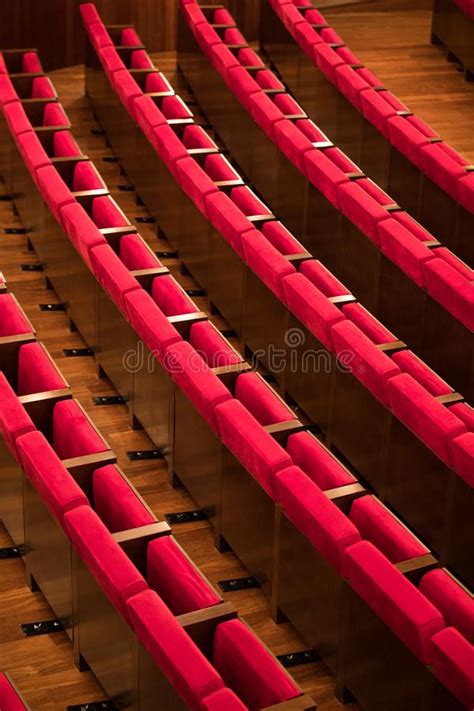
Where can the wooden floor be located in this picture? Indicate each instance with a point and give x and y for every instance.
(42, 667)
(396, 46)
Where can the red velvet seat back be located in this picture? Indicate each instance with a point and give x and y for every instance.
(9, 699)
(12, 320)
(260, 400)
(176, 580)
(211, 346)
(73, 434)
(14, 420)
(248, 668)
(453, 660)
(116, 502)
(36, 371)
(317, 462)
(453, 601)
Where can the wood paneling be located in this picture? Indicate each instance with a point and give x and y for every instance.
(55, 28)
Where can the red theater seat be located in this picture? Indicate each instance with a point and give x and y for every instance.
(260, 400)
(211, 346)
(453, 661)
(14, 420)
(48, 475)
(393, 598)
(150, 323)
(136, 255)
(179, 584)
(317, 462)
(172, 650)
(10, 701)
(73, 434)
(112, 274)
(36, 371)
(453, 601)
(12, 319)
(248, 668)
(116, 503)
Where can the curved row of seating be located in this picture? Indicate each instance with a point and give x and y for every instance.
(61, 487)
(397, 269)
(372, 124)
(393, 392)
(232, 420)
(10, 700)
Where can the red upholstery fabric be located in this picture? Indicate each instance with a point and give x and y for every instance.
(112, 274)
(116, 502)
(89, 13)
(402, 247)
(265, 113)
(176, 580)
(194, 377)
(465, 413)
(12, 319)
(7, 91)
(242, 85)
(106, 213)
(16, 118)
(99, 36)
(31, 63)
(248, 202)
(255, 449)
(362, 209)
(453, 660)
(172, 650)
(195, 182)
(325, 175)
(127, 89)
(292, 142)
(168, 146)
(463, 455)
(149, 322)
(317, 462)
(105, 559)
(54, 191)
(82, 231)
(319, 519)
(86, 177)
(368, 324)
(196, 137)
(148, 116)
(312, 308)
(248, 668)
(260, 400)
(73, 435)
(360, 357)
(323, 279)
(447, 286)
(393, 598)
(327, 60)
(32, 152)
(129, 37)
(211, 346)
(49, 477)
(219, 168)
(228, 220)
(14, 420)
(136, 254)
(42, 87)
(36, 371)
(431, 421)
(54, 115)
(223, 700)
(140, 60)
(377, 525)
(269, 265)
(409, 363)
(281, 238)
(453, 601)
(110, 60)
(10, 701)
(65, 145)
(157, 82)
(170, 297)
(443, 165)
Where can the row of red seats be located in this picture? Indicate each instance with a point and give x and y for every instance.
(252, 429)
(362, 236)
(311, 295)
(64, 485)
(400, 128)
(10, 699)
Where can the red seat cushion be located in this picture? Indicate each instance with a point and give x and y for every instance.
(443, 165)
(12, 319)
(451, 289)
(54, 191)
(249, 668)
(228, 220)
(255, 449)
(453, 661)
(105, 559)
(409, 363)
(313, 309)
(193, 376)
(327, 528)
(293, 143)
(89, 13)
(453, 601)
(176, 580)
(260, 400)
(172, 649)
(170, 297)
(10, 701)
(82, 231)
(325, 175)
(195, 182)
(73, 434)
(377, 525)
(265, 113)
(112, 274)
(404, 249)
(393, 598)
(14, 420)
(242, 84)
(269, 265)
(16, 118)
(367, 323)
(86, 177)
(222, 700)
(116, 503)
(360, 357)
(149, 322)
(317, 462)
(212, 346)
(106, 213)
(431, 421)
(323, 279)
(64, 145)
(49, 477)
(36, 371)
(362, 209)
(32, 152)
(136, 254)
